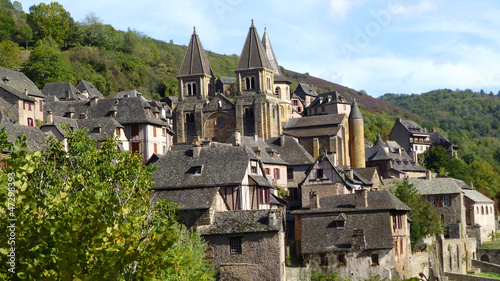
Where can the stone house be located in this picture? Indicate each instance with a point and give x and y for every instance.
(35, 139)
(99, 129)
(223, 85)
(222, 190)
(479, 216)
(63, 91)
(439, 140)
(392, 161)
(20, 99)
(363, 235)
(145, 124)
(87, 88)
(410, 136)
(302, 97)
(330, 103)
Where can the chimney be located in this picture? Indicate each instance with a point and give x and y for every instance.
(71, 112)
(93, 101)
(50, 119)
(358, 240)
(313, 200)
(196, 150)
(237, 138)
(68, 94)
(351, 173)
(361, 196)
(114, 110)
(255, 137)
(315, 148)
(25, 90)
(282, 140)
(428, 175)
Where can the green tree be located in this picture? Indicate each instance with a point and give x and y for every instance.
(424, 219)
(10, 55)
(7, 25)
(46, 65)
(436, 159)
(50, 20)
(86, 214)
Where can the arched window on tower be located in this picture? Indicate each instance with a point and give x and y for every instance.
(247, 81)
(189, 117)
(194, 89)
(277, 92)
(190, 90)
(248, 113)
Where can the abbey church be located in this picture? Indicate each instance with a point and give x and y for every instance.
(261, 103)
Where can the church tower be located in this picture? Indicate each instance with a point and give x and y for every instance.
(196, 84)
(356, 137)
(256, 106)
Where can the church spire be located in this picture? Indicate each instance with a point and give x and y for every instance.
(253, 54)
(270, 53)
(196, 60)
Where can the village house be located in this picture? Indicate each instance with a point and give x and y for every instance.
(62, 91)
(302, 97)
(330, 103)
(363, 235)
(439, 140)
(392, 161)
(223, 191)
(410, 136)
(479, 215)
(87, 88)
(20, 99)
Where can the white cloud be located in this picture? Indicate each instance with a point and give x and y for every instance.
(338, 9)
(423, 6)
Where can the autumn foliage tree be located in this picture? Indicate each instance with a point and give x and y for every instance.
(87, 214)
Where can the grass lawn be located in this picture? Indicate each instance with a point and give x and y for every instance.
(491, 245)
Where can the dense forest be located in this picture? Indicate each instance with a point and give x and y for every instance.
(48, 45)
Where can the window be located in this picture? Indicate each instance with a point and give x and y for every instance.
(118, 132)
(293, 193)
(154, 132)
(341, 260)
(40, 103)
(155, 148)
(432, 200)
(135, 147)
(396, 248)
(337, 224)
(374, 259)
(135, 130)
(235, 245)
(276, 173)
(446, 201)
(164, 149)
(315, 110)
(289, 173)
(268, 171)
(263, 195)
(322, 109)
(295, 102)
(24, 104)
(30, 122)
(482, 207)
(401, 245)
(319, 173)
(323, 260)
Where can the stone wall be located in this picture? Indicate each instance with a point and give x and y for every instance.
(486, 266)
(457, 254)
(491, 256)
(465, 277)
(419, 263)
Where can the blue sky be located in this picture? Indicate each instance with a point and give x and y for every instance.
(394, 46)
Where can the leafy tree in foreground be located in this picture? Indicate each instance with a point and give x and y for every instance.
(86, 214)
(423, 216)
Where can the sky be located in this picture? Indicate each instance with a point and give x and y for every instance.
(385, 46)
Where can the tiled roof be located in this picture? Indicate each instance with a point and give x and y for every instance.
(476, 196)
(365, 174)
(330, 98)
(236, 222)
(62, 91)
(189, 199)
(100, 128)
(195, 61)
(435, 186)
(130, 94)
(90, 88)
(355, 112)
(34, 137)
(223, 166)
(290, 150)
(392, 151)
(18, 94)
(304, 90)
(411, 126)
(253, 54)
(19, 81)
(270, 53)
(317, 120)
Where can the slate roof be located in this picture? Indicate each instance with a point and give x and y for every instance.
(304, 90)
(435, 186)
(253, 146)
(19, 81)
(330, 98)
(62, 91)
(223, 166)
(411, 126)
(90, 88)
(130, 94)
(476, 196)
(270, 53)
(365, 174)
(253, 54)
(58, 123)
(392, 151)
(236, 222)
(195, 60)
(311, 126)
(107, 127)
(374, 220)
(129, 110)
(189, 199)
(290, 150)
(440, 140)
(355, 112)
(15, 92)
(34, 137)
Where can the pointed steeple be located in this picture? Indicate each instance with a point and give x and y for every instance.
(196, 60)
(270, 53)
(253, 54)
(355, 112)
(380, 142)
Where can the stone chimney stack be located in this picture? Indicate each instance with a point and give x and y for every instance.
(282, 140)
(361, 196)
(313, 200)
(237, 138)
(93, 101)
(358, 240)
(196, 150)
(428, 175)
(315, 148)
(50, 119)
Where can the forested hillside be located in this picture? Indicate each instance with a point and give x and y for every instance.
(469, 119)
